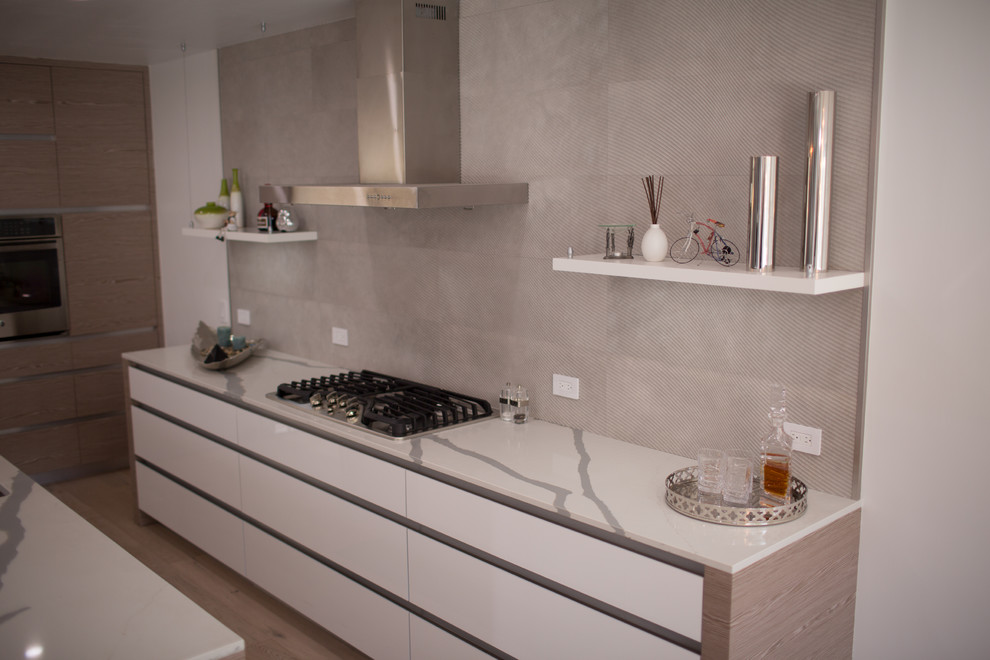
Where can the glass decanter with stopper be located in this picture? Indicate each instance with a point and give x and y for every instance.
(775, 452)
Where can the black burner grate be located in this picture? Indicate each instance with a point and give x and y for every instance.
(385, 404)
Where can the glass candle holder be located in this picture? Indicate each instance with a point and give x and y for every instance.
(619, 241)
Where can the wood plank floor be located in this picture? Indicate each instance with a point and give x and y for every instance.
(271, 630)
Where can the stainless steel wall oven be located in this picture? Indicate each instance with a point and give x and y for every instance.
(32, 277)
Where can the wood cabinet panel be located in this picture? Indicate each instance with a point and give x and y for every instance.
(18, 360)
(99, 392)
(103, 440)
(109, 265)
(32, 358)
(37, 401)
(28, 174)
(98, 351)
(101, 124)
(26, 99)
(42, 450)
(797, 603)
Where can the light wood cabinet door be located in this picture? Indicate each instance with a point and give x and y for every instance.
(101, 126)
(110, 272)
(28, 174)
(26, 99)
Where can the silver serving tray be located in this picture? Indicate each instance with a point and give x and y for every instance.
(682, 496)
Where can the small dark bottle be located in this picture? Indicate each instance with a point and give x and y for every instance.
(267, 217)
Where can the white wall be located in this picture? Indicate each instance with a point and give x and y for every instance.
(185, 111)
(924, 581)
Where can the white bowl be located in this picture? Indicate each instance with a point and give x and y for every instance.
(210, 220)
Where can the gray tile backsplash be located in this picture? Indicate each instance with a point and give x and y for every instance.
(579, 99)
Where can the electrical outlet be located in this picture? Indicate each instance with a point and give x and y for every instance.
(339, 336)
(244, 316)
(806, 438)
(566, 386)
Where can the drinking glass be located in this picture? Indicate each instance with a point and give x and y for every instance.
(711, 470)
(738, 483)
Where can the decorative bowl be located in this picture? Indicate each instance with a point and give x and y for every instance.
(210, 216)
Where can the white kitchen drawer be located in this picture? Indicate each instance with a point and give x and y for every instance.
(655, 591)
(353, 537)
(357, 615)
(361, 475)
(427, 642)
(202, 411)
(203, 463)
(517, 616)
(202, 523)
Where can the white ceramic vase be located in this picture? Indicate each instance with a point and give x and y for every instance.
(654, 244)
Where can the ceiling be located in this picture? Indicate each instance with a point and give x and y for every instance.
(150, 31)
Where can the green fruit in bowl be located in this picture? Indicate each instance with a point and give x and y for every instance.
(210, 216)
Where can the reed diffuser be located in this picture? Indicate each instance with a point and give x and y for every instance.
(654, 243)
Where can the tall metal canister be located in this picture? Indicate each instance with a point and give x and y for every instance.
(762, 212)
(821, 132)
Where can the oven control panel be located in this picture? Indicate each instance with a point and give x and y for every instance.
(14, 228)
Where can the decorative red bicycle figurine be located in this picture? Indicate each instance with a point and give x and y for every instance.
(686, 248)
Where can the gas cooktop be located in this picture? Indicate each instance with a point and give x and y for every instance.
(387, 406)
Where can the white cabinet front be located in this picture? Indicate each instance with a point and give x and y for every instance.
(209, 466)
(357, 615)
(351, 536)
(199, 410)
(658, 592)
(202, 523)
(517, 616)
(369, 478)
(427, 642)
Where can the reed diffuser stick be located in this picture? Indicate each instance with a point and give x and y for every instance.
(653, 185)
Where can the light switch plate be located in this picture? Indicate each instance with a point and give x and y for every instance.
(244, 316)
(339, 336)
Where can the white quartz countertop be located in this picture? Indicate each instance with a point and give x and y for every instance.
(611, 485)
(68, 591)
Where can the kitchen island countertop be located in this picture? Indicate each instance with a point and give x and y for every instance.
(68, 591)
(570, 474)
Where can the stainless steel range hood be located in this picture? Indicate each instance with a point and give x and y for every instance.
(408, 101)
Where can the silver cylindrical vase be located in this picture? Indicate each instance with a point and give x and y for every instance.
(821, 133)
(762, 212)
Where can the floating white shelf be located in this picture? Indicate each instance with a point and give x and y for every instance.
(706, 271)
(253, 236)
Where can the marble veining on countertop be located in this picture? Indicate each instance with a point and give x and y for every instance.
(68, 591)
(613, 486)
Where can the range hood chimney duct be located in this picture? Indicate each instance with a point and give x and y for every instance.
(408, 101)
